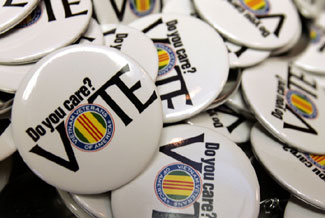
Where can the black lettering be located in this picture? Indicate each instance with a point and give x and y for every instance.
(33, 134)
(322, 48)
(182, 91)
(309, 129)
(240, 51)
(308, 84)
(153, 25)
(167, 149)
(119, 14)
(9, 3)
(281, 18)
(235, 124)
(72, 164)
(128, 92)
(67, 9)
(49, 10)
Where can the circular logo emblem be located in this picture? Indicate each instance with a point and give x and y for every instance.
(142, 7)
(318, 160)
(167, 58)
(258, 7)
(31, 19)
(178, 185)
(90, 127)
(301, 104)
(314, 35)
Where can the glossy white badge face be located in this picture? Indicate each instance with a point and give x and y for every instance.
(262, 24)
(93, 35)
(186, 82)
(179, 6)
(225, 121)
(134, 43)
(124, 11)
(231, 86)
(12, 12)
(241, 56)
(310, 9)
(97, 205)
(7, 145)
(101, 103)
(72, 205)
(197, 173)
(301, 173)
(288, 103)
(52, 25)
(298, 209)
(312, 59)
(12, 75)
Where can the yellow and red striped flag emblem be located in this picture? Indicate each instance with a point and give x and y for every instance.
(320, 159)
(163, 58)
(256, 5)
(143, 5)
(302, 104)
(178, 185)
(90, 127)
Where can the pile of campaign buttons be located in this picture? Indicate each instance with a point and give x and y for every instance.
(162, 108)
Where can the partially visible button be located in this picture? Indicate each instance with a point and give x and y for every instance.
(133, 43)
(300, 173)
(97, 205)
(54, 24)
(13, 12)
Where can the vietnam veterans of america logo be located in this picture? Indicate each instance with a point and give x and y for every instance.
(318, 160)
(90, 127)
(142, 7)
(178, 185)
(301, 104)
(258, 7)
(31, 19)
(167, 58)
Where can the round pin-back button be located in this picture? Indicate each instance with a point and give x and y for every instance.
(101, 101)
(121, 11)
(12, 75)
(242, 56)
(12, 13)
(310, 9)
(179, 6)
(311, 59)
(93, 35)
(299, 209)
(133, 43)
(288, 103)
(264, 24)
(231, 86)
(97, 205)
(74, 208)
(195, 169)
(186, 82)
(54, 24)
(225, 121)
(300, 173)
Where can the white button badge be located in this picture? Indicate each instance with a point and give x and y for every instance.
(288, 103)
(187, 83)
(100, 124)
(52, 25)
(262, 24)
(13, 12)
(196, 173)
